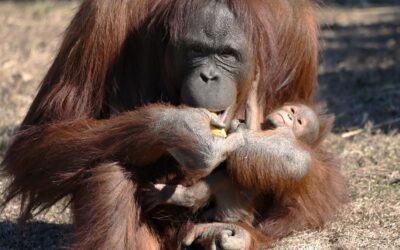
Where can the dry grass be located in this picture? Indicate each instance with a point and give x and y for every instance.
(371, 219)
(360, 79)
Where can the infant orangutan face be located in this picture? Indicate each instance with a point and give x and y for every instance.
(298, 117)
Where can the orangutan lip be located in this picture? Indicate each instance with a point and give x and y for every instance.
(283, 119)
(223, 114)
(270, 124)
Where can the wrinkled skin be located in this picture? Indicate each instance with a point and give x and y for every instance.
(192, 126)
(212, 64)
(213, 61)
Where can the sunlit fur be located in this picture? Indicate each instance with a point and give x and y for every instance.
(109, 62)
(291, 204)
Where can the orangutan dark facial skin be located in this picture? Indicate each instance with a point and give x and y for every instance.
(298, 117)
(213, 60)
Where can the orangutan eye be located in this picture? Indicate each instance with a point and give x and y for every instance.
(299, 121)
(196, 49)
(292, 110)
(229, 54)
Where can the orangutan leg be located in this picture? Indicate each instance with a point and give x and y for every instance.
(106, 213)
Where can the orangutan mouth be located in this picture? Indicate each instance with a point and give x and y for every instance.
(223, 114)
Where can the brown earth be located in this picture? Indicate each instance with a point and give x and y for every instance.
(359, 79)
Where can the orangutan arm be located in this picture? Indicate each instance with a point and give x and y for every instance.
(139, 137)
(48, 161)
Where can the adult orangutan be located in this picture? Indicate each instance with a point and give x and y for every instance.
(106, 119)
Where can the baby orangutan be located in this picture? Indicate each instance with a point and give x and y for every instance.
(289, 129)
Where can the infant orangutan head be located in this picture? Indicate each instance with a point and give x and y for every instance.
(300, 118)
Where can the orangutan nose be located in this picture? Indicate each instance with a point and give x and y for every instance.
(208, 76)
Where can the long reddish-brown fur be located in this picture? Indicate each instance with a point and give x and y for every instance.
(75, 142)
(291, 204)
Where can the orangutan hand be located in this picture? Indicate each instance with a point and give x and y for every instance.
(218, 236)
(191, 142)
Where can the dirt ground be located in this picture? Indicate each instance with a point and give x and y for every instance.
(359, 79)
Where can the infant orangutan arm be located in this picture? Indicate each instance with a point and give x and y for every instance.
(269, 159)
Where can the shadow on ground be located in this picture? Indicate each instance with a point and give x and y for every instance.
(360, 74)
(35, 235)
(359, 3)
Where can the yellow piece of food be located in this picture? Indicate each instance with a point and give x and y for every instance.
(218, 131)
